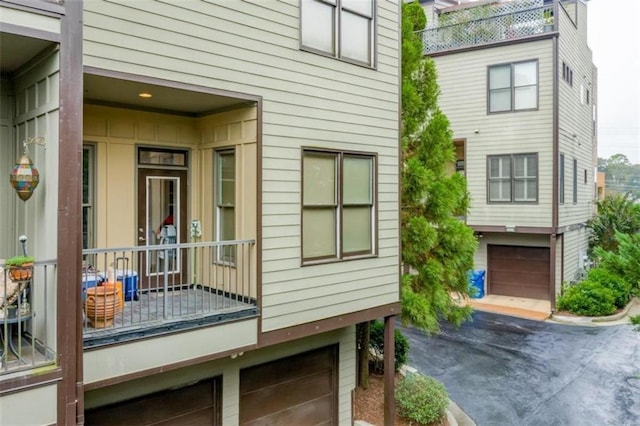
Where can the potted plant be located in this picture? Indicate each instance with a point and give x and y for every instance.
(547, 15)
(20, 268)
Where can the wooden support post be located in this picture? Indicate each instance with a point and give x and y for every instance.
(389, 370)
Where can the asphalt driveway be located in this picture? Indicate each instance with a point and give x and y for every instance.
(508, 371)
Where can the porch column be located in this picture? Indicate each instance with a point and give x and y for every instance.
(389, 369)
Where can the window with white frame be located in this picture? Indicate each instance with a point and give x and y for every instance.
(513, 87)
(340, 28)
(225, 201)
(338, 206)
(512, 178)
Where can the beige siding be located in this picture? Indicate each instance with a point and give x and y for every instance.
(229, 368)
(575, 249)
(18, 409)
(463, 84)
(27, 19)
(8, 157)
(575, 118)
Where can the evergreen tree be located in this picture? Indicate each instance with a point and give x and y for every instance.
(437, 247)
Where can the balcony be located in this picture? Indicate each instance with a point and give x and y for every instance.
(158, 289)
(165, 288)
(458, 32)
(28, 320)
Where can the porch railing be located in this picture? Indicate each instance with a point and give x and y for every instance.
(28, 319)
(161, 288)
(522, 23)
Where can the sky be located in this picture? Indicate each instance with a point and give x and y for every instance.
(614, 37)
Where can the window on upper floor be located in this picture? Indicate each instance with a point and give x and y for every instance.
(338, 205)
(512, 178)
(225, 202)
(567, 74)
(343, 29)
(575, 181)
(561, 186)
(513, 87)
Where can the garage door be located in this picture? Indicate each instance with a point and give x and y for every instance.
(197, 404)
(519, 271)
(298, 390)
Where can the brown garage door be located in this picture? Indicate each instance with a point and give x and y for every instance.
(298, 390)
(198, 404)
(519, 271)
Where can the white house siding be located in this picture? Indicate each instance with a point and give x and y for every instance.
(575, 125)
(463, 84)
(230, 368)
(575, 249)
(26, 19)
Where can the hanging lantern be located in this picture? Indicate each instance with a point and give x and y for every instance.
(24, 177)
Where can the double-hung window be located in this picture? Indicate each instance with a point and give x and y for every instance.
(338, 206)
(512, 178)
(513, 87)
(225, 201)
(88, 186)
(340, 28)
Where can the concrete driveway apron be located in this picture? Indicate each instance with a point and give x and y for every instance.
(509, 371)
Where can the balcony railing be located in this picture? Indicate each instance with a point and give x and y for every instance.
(163, 288)
(28, 319)
(513, 25)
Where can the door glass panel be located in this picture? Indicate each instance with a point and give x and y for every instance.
(163, 222)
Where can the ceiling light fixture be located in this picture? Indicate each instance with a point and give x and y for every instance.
(145, 95)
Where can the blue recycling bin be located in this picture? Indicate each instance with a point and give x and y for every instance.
(476, 281)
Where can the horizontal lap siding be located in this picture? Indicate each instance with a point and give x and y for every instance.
(308, 101)
(575, 118)
(463, 84)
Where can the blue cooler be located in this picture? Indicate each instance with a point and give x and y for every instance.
(129, 280)
(476, 282)
(89, 280)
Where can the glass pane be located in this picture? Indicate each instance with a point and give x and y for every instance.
(357, 180)
(532, 166)
(227, 224)
(318, 233)
(519, 167)
(532, 188)
(317, 25)
(354, 37)
(356, 229)
(494, 167)
(360, 6)
(525, 74)
(500, 100)
(519, 190)
(163, 158)
(86, 175)
(319, 175)
(86, 227)
(226, 178)
(161, 200)
(505, 163)
(500, 77)
(500, 190)
(526, 97)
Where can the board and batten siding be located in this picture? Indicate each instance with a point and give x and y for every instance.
(463, 85)
(309, 100)
(8, 157)
(575, 126)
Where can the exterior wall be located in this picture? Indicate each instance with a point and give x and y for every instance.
(308, 100)
(230, 370)
(29, 20)
(141, 355)
(8, 231)
(17, 409)
(575, 249)
(575, 126)
(463, 85)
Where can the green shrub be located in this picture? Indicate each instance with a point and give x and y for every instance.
(635, 320)
(620, 288)
(422, 399)
(376, 340)
(625, 262)
(587, 298)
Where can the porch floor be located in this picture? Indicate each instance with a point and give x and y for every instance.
(157, 312)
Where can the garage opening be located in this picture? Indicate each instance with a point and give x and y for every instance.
(196, 404)
(297, 390)
(519, 271)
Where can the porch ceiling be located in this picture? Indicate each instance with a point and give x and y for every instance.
(125, 93)
(17, 50)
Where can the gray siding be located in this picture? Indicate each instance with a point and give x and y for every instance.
(575, 118)
(7, 161)
(463, 84)
(309, 100)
